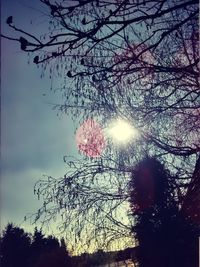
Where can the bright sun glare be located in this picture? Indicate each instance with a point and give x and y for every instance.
(122, 131)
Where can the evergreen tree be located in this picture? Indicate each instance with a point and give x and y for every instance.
(18, 250)
(48, 251)
(15, 247)
(166, 236)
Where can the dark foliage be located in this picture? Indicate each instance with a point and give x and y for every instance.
(165, 235)
(20, 249)
(15, 247)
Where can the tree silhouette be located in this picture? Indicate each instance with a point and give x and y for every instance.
(18, 248)
(38, 243)
(48, 251)
(15, 247)
(137, 60)
(165, 235)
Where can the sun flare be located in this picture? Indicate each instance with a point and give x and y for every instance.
(122, 131)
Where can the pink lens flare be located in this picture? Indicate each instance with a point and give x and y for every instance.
(186, 129)
(132, 51)
(90, 139)
(130, 57)
(189, 52)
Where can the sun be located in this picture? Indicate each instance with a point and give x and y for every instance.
(122, 131)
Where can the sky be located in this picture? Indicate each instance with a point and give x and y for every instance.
(33, 138)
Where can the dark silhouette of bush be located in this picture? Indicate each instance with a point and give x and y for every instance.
(15, 247)
(20, 249)
(166, 237)
(48, 251)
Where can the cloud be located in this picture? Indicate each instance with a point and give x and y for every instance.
(33, 139)
(32, 134)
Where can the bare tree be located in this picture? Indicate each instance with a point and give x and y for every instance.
(137, 60)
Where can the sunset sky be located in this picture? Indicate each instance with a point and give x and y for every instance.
(33, 138)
